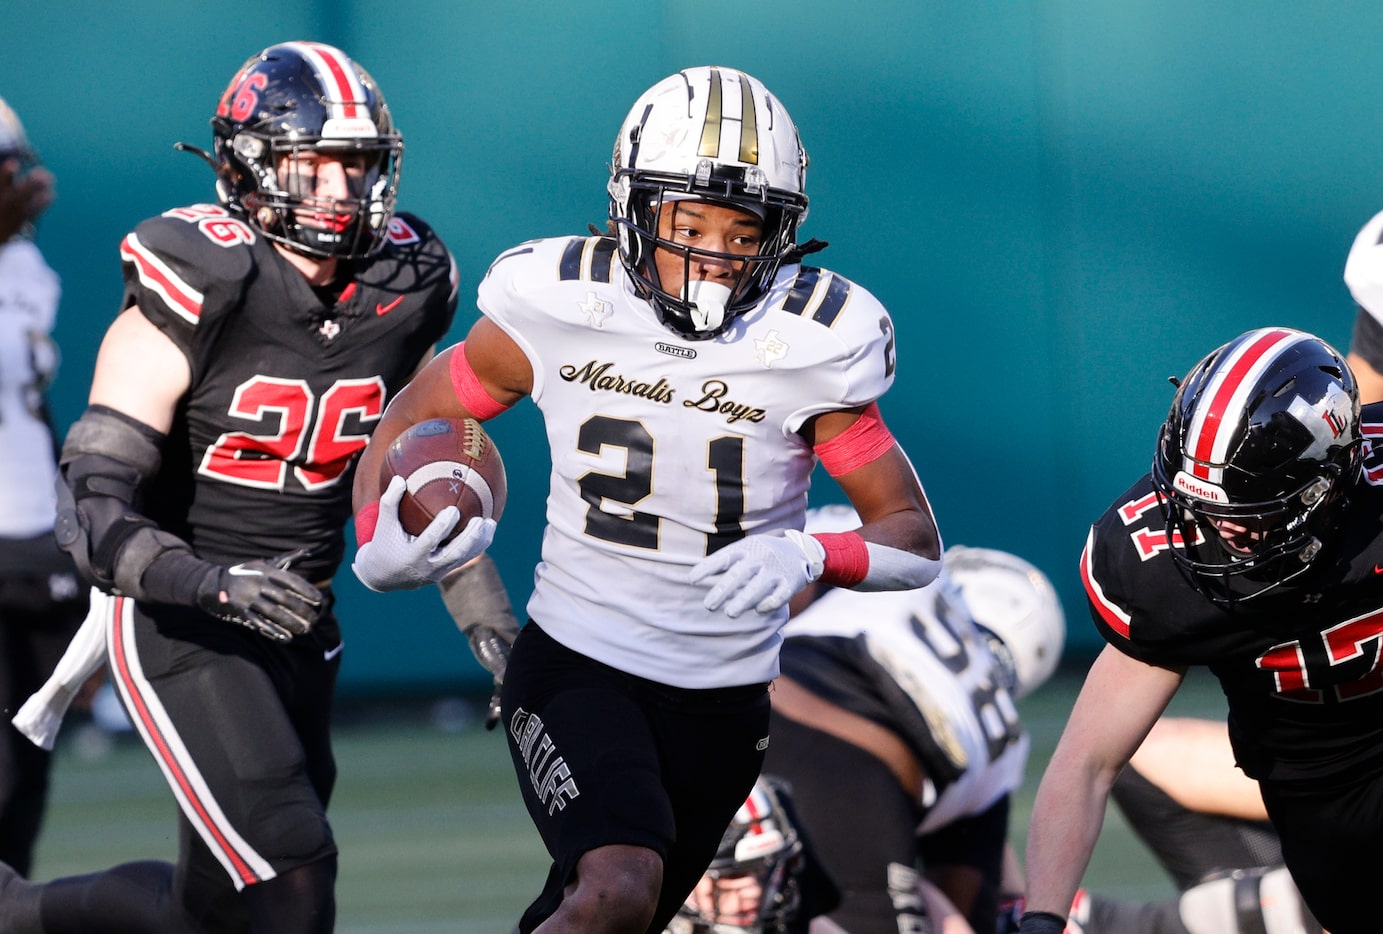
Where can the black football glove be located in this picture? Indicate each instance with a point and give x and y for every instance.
(263, 595)
(1041, 922)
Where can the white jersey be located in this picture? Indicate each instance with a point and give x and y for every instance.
(977, 749)
(665, 449)
(29, 292)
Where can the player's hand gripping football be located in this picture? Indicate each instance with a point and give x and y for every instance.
(263, 595)
(760, 571)
(394, 560)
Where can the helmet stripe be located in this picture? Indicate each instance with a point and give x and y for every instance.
(749, 126)
(710, 130)
(345, 94)
(1217, 415)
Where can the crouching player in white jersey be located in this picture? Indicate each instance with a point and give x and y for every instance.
(896, 748)
(691, 373)
(894, 723)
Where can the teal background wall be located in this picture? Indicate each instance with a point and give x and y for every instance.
(1062, 202)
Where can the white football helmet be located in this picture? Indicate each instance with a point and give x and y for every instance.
(713, 134)
(13, 143)
(1015, 607)
(1014, 604)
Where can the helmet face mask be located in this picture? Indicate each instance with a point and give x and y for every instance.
(287, 112)
(1254, 461)
(712, 135)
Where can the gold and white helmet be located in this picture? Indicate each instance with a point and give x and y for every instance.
(710, 134)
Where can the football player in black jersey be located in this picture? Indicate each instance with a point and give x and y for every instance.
(1253, 547)
(208, 484)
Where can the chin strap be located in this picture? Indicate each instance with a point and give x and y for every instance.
(800, 251)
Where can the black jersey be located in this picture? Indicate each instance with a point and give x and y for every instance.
(1301, 666)
(287, 384)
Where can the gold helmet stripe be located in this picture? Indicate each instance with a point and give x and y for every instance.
(715, 118)
(749, 125)
(710, 130)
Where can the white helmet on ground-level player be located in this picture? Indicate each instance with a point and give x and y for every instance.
(1016, 609)
(717, 135)
(1013, 604)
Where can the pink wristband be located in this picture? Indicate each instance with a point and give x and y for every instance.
(847, 558)
(862, 443)
(365, 521)
(469, 389)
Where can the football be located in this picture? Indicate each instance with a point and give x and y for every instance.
(446, 462)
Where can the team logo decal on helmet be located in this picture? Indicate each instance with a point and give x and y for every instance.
(715, 135)
(1262, 439)
(293, 99)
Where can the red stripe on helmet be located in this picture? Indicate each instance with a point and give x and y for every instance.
(1214, 421)
(338, 75)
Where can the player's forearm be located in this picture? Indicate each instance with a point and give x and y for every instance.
(1068, 813)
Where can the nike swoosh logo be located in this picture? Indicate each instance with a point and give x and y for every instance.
(240, 570)
(329, 654)
(385, 309)
(1378, 569)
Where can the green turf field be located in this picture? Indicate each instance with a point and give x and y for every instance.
(432, 834)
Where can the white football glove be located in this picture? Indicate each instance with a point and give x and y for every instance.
(395, 560)
(760, 571)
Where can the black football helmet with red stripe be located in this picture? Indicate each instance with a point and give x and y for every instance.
(299, 97)
(1254, 461)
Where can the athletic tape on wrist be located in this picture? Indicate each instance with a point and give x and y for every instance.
(862, 443)
(469, 389)
(365, 521)
(847, 558)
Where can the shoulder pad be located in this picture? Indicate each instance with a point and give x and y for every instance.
(175, 261)
(849, 317)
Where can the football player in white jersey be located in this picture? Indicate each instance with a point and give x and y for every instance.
(904, 703)
(41, 597)
(691, 372)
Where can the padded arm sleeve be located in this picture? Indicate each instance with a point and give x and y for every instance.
(106, 458)
(475, 596)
